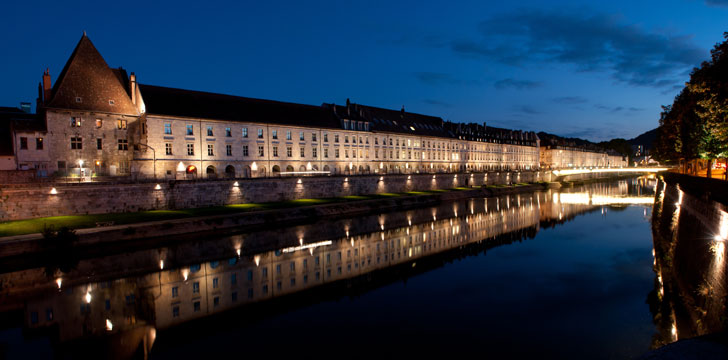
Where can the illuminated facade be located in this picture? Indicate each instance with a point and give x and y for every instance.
(563, 157)
(102, 121)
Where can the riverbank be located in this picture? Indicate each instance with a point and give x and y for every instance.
(249, 218)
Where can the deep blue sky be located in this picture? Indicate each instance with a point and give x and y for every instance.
(586, 69)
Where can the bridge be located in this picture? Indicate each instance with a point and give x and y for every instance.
(566, 172)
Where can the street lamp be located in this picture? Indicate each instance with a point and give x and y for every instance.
(80, 170)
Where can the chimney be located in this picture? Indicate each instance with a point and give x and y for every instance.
(133, 86)
(25, 106)
(46, 87)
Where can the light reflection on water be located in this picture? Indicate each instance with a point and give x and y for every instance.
(389, 278)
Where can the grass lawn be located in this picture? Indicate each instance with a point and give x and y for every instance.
(20, 227)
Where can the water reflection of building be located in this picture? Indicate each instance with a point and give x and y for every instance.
(689, 235)
(209, 276)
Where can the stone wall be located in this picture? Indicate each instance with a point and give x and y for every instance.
(93, 198)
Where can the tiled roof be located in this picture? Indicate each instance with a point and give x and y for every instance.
(88, 78)
(203, 105)
(398, 121)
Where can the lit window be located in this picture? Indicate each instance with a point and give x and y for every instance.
(121, 124)
(39, 143)
(98, 123)
(75, 122)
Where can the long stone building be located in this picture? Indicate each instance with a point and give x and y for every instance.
(102, 121)
(99, 121)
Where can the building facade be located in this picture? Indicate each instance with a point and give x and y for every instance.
(100, 121)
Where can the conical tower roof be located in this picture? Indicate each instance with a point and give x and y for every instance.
(87, 83)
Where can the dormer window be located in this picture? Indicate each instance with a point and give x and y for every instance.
(111, 102)
(78, 99)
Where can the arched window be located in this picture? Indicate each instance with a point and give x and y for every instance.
(210, 170)
(289, 168)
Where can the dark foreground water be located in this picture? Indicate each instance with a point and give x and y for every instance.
(557, 274)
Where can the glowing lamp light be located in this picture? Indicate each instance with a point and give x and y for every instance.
(161, 264)
(257, 260)
(59, 281)
(346, 179)
(157, 187)
(351, 165)
(299, 181)
(308, 166)
(235, 184)
(109, 325)
(88, 297)
(54, 191)
(80, 163)
(381, 178)
(409, 177)
(185, 274)
(181, 166)
(254, 167)
(237, 251)
(434, 177)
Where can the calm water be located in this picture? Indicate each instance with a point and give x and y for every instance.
(562, 274)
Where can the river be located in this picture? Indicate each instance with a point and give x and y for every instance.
(560, 273)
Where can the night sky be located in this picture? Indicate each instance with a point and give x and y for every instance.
(584, 69)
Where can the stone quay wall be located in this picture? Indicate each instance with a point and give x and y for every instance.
(37, 200)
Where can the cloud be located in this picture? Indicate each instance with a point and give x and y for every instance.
(526, 109)
(717, 3)
(516, 84)
(570, 100)
(618, 109)
(437, 103)
(589, 41)
(438, 79)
